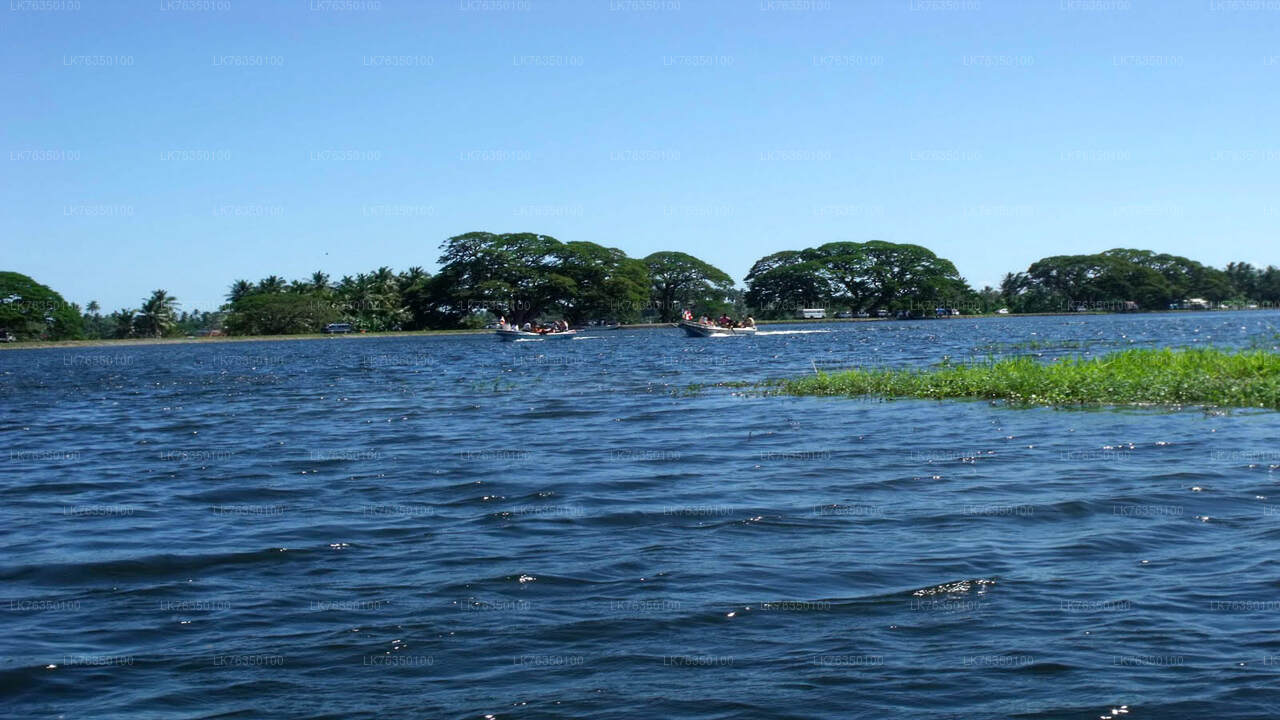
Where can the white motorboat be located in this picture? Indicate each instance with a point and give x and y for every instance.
(513, 335)
(694, 329)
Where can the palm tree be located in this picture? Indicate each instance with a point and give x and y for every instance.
(411, 277)
(239, 289)
(319, 281)
(272, 284)
(381, 305)
(384, 280)
(92, 308)
(156, 317)
(122, 323)
(362, 293)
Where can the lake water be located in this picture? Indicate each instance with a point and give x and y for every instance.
(455, 527)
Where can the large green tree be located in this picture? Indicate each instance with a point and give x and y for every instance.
(607, 285)
(1245, 280)
(31, 311)
(880, 274)
(1254, 284)
(1110, 279)
(1183, 275)
(515, 275)
(860, 276)
(526, 277)
(785, 281)
(280, 314)
(678, 280)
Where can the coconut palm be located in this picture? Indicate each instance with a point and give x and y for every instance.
(239, 289)
(272, 284)
(383, 281)
(362, 293)
(122, 323)
(411, 277)
(157, 316)
(319, 281)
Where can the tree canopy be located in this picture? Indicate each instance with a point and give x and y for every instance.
(524, 276)
(607, 285)
(860, 276)
(280, 314)
(678, 280)
(31, 311)
(1109, 279)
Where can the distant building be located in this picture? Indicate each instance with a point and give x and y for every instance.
(811, 313)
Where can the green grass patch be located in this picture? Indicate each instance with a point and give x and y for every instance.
(1163, 376)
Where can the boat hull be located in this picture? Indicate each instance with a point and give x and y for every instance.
(693, 329)
(513, 335)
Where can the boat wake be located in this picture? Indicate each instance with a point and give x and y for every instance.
(791, 332)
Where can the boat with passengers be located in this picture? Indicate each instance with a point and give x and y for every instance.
(532, 331)
(724, 325)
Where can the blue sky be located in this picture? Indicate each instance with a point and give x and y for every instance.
(182, 144)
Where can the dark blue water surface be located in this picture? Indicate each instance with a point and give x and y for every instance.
(455, 527)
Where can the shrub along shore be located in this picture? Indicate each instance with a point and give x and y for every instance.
(1164, 376)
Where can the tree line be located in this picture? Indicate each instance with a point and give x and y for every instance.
(1149, 280)
(523, 277)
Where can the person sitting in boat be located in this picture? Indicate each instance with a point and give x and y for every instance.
(687, 314)
(725, 320)
(528, 327)
(704, 320)
(749, 322)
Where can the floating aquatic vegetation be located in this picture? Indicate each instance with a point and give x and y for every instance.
(1189, 376)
